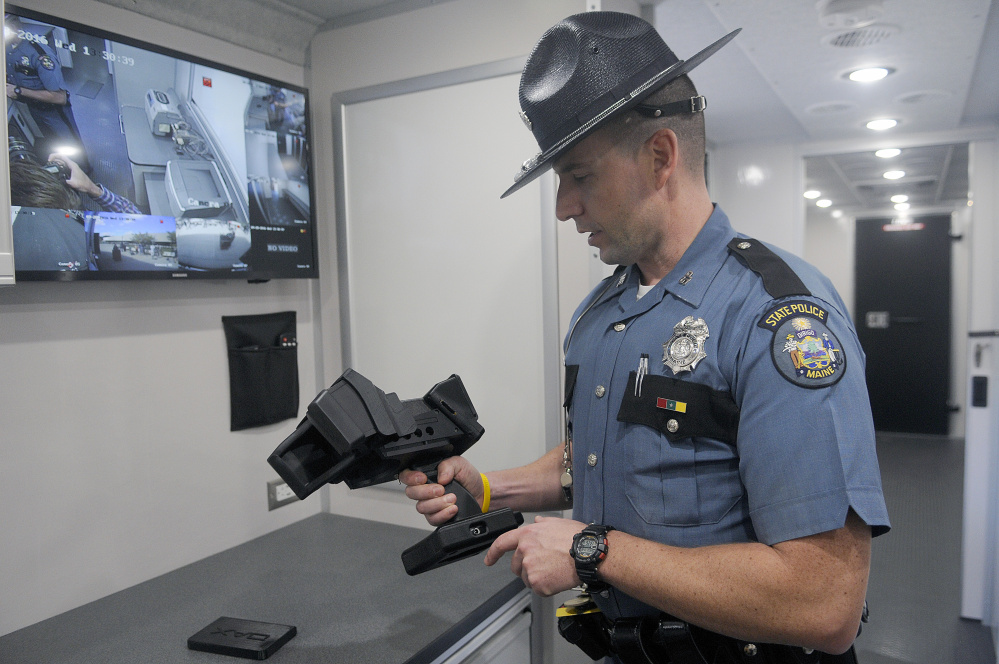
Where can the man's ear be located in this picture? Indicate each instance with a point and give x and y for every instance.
(665, 149)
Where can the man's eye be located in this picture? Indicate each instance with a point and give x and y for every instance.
(580, 177)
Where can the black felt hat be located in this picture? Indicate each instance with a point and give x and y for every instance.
(587, 69)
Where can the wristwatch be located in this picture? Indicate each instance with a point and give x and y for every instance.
(17, 91)
(589, 548)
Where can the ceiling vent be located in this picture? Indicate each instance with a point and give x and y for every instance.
(830, 108)
(849, 14)
(861, 37)
(923, 96)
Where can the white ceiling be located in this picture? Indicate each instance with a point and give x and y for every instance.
(780, 80)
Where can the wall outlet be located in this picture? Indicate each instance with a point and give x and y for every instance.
(279, 494)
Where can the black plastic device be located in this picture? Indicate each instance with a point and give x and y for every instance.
(355, 433)
(236, 637)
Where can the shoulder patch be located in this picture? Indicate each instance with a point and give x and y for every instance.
(803, 349)
(46, 62)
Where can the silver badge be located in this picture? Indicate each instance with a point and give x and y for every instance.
(526, 120)
(686, 347)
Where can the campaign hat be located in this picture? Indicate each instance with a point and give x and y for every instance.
(586, 70)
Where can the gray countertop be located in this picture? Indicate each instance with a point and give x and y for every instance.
(339, 580)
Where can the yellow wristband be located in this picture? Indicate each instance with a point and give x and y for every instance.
(485, 493)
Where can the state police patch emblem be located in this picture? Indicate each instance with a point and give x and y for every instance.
(804, 351)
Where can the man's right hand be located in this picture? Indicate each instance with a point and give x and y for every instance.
(431, 501)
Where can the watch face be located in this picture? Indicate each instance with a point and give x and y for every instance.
(586, 547)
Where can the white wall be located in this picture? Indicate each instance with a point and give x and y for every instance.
(759, 188)
(395, 48)
(980, 574)
(829, 246)
(117, 460)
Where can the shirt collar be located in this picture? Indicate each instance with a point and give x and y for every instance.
(702, 261)
(690, 278)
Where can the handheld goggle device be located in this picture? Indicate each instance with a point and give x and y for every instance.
(355, 433)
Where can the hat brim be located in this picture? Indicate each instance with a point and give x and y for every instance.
(543, 160)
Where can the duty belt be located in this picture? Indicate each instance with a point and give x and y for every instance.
(662, 639)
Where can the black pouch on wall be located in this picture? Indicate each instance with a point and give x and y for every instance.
(263, 368)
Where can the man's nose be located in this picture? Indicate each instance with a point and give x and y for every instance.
(566, 202)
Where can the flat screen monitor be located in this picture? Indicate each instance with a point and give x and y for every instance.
(129, 160)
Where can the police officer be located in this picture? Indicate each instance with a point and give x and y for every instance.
(720, 455)
(34, 76)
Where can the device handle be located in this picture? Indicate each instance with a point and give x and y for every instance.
(467, 533)
(467, 505)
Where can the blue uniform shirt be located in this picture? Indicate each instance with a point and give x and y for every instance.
(785, 376)
(34, 66)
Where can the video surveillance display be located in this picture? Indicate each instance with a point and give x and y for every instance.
(131, 161)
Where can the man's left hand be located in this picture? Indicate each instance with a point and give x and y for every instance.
(540, 554)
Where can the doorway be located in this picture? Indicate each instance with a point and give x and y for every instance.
(902, 304)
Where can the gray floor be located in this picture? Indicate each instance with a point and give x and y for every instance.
(914, 592)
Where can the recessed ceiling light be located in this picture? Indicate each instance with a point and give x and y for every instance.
(902, 207)
(888, 153)
(812, 194)
(894, 175)
(899, 198)
(869, 74)
(824, 203)
(881, 124)
(837, 214)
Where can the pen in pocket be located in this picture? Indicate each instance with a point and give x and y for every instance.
(643, 368)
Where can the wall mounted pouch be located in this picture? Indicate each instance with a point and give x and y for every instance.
(263, 368)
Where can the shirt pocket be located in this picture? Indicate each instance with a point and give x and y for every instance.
(680, 437)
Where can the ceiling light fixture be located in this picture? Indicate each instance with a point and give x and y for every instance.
(812, 194)
(824, 203)
(869, 74)
(894, 175)
(902, 207)
(881, 124)
(899, 198)
(888, 153)
(836, 214)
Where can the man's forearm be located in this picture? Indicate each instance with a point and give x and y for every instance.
(807, 592)
(531, 488)
(57, 97)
